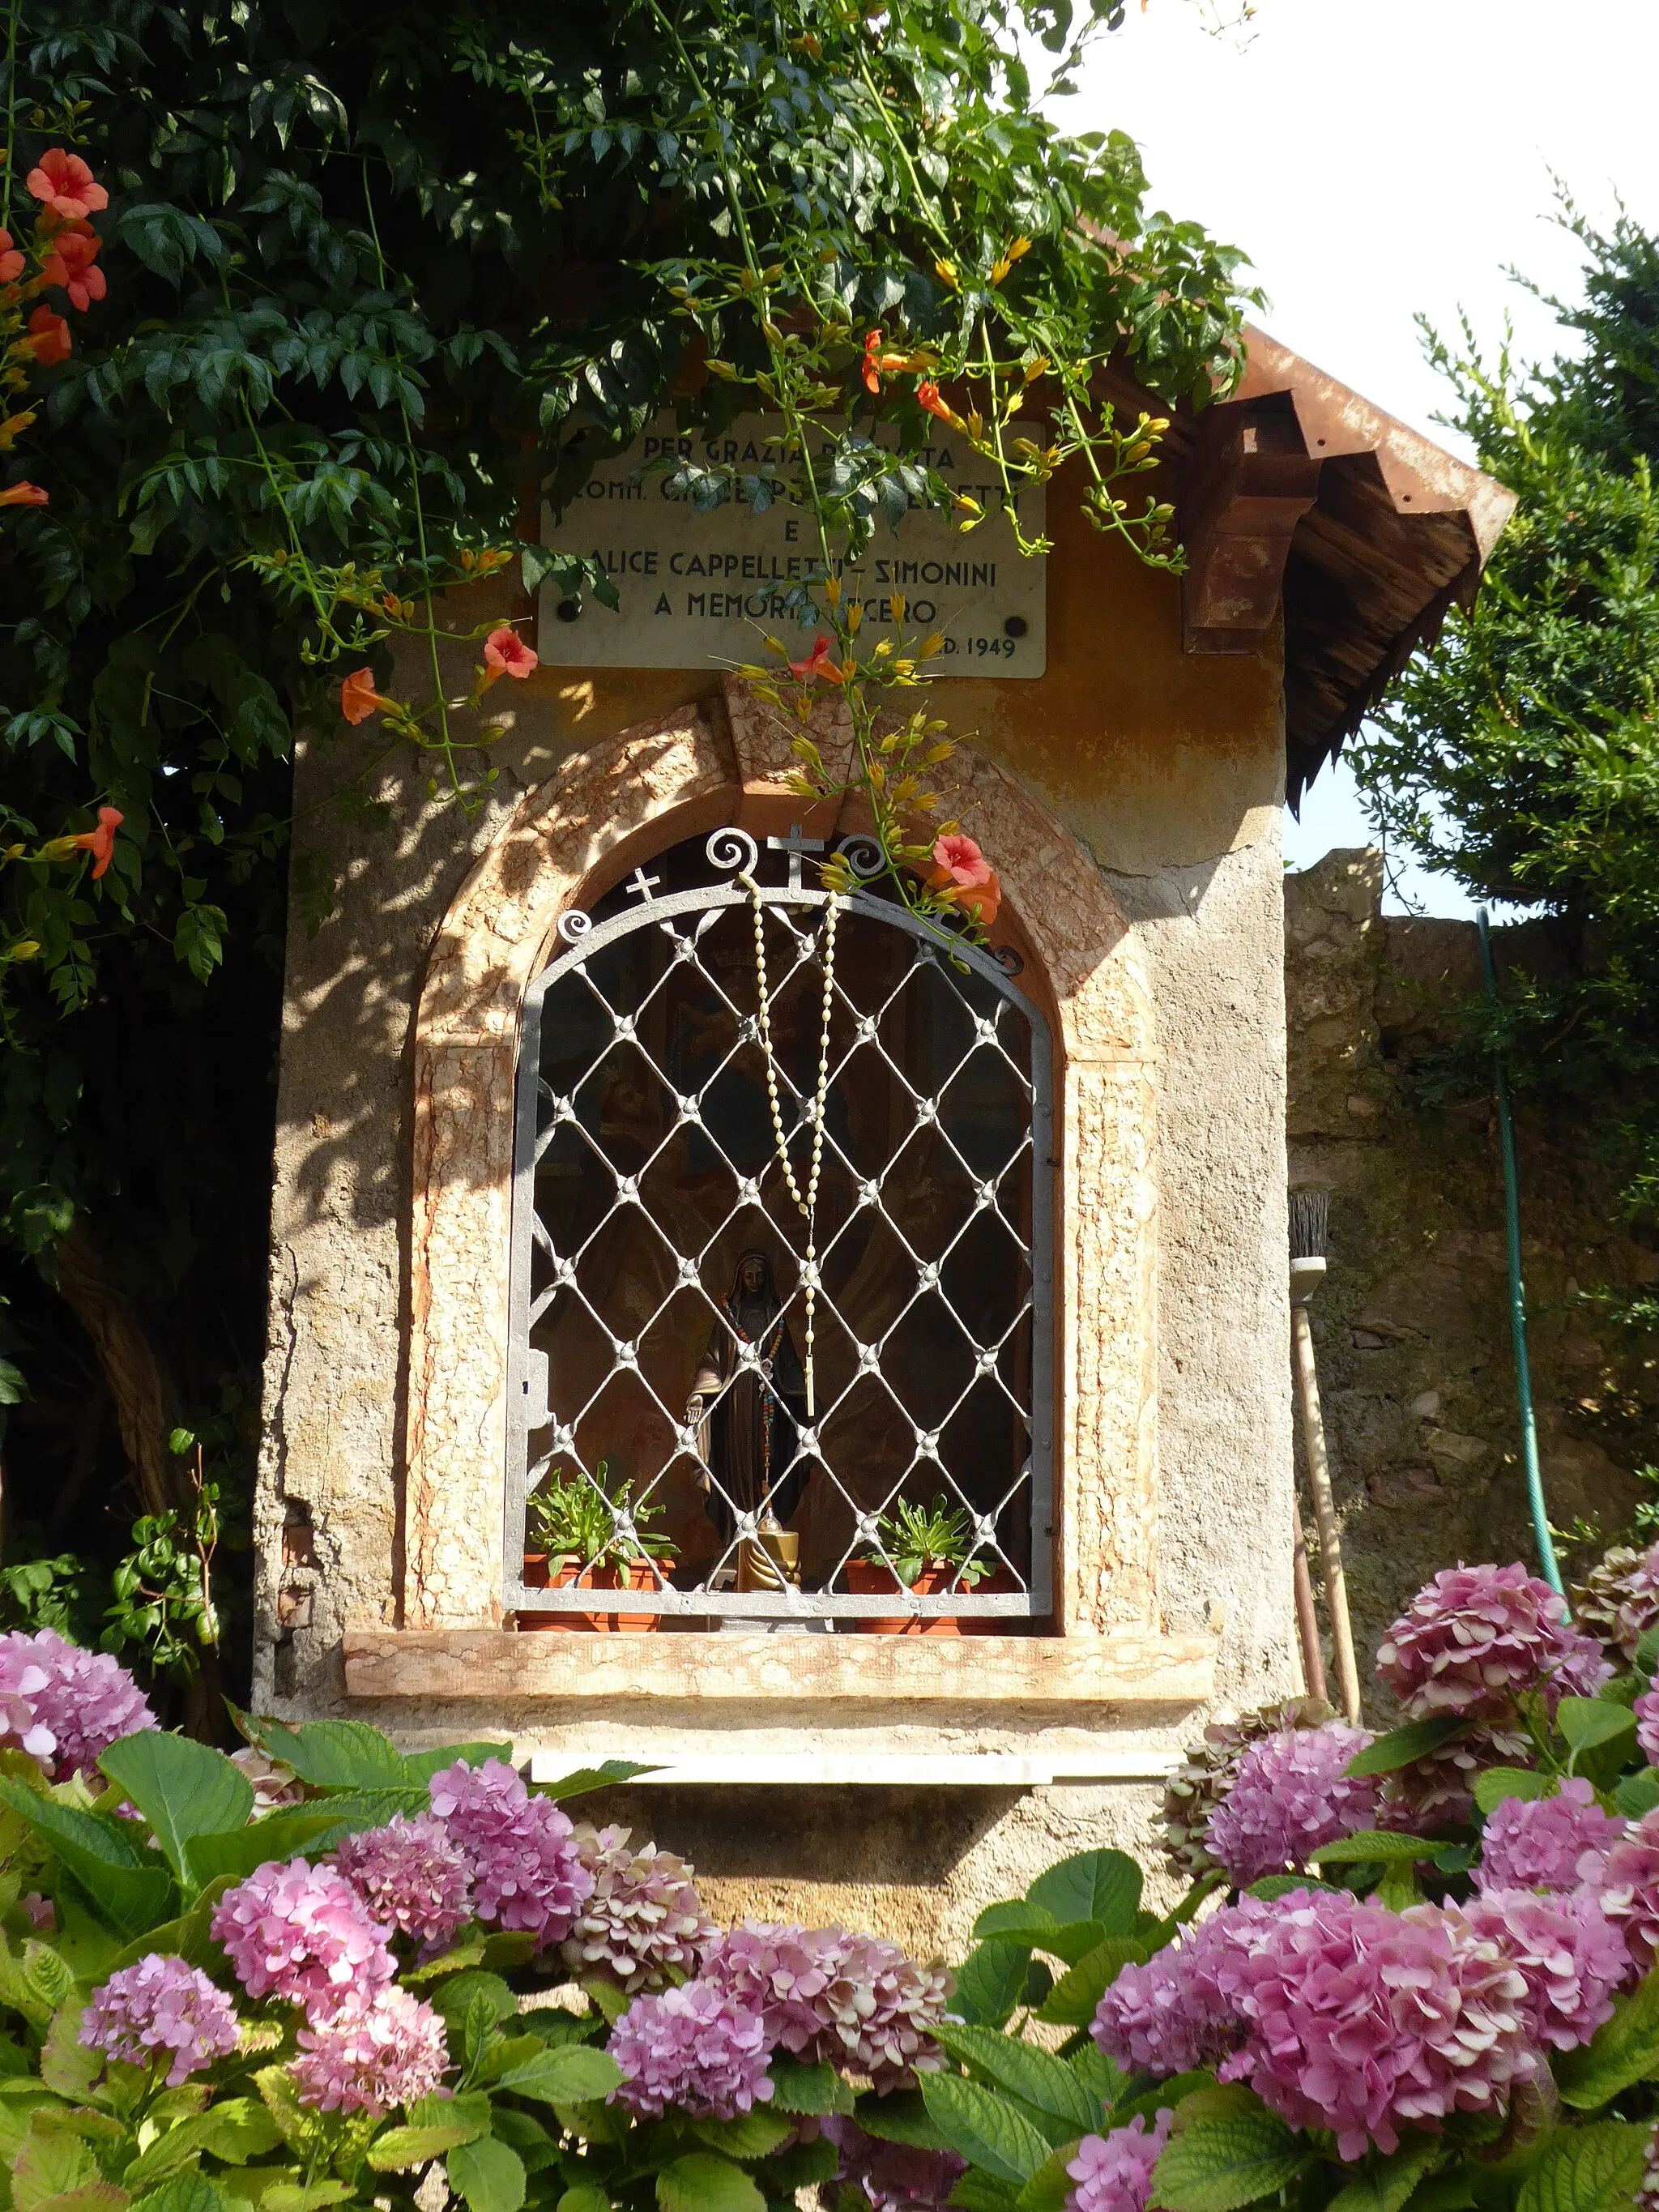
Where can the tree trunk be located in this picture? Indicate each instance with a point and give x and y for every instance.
(137, 1386)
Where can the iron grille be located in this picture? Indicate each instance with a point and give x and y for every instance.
(911, 1355)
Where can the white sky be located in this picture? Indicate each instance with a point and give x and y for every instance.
(1375, 158)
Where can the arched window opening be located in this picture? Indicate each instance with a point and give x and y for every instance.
(750, 1402)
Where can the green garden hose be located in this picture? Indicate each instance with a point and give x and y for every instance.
(1540, 1519)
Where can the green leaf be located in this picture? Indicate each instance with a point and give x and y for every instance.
(811, 2091)
(1035, 2077)
(1075, 1998)
(302, 2196)
(190, 2192)
(582, 1779)
(1587, 1721)
(51, 2163)
(132, 1893)
(1622, 2050)
(986, 2129)
(799, 2167)
(572, 2073)
(1100, 2076)
(452, 1962)
(454, 1997)
(300, 2126)
(1588, 2169)
(586, 2198)
(901, 2117)
(1281, 1885)
(749, 2136)
(990, 1981)
(488, 2175)
(1375, 1843)
(238, 1851)
(1228, 2149)
(1636, 1794)
(702, 2182)
(421, 1765)
(1383, 2184)
(1018, 1920)
(399, 2149)
(1497, 1783)
(983, 2192)
(182, 1788)
(338, 1754)
(236, 2130)
(1403, 1747)
(1050, 2187)
(1098, 1886)
(66, 2065)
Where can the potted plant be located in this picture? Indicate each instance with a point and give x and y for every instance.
(577, 1531)
(929, 1549)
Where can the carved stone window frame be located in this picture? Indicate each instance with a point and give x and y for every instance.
(723, 761)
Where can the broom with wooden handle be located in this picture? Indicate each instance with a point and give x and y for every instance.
(1309, 1222)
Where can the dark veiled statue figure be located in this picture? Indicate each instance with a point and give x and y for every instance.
(747, 1413)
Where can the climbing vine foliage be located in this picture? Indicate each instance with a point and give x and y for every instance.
(382, 285)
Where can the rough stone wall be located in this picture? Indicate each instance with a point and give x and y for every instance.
(1412, 1324)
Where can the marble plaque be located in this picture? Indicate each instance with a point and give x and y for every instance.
(705, 586)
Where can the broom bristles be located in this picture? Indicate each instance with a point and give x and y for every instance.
(1309, 1220)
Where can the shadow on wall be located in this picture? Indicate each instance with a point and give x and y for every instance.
(908, 1837)
(1411, 1322)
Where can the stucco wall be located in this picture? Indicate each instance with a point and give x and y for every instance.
(1169, 769)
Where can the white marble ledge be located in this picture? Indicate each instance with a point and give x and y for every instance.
(826, 1769)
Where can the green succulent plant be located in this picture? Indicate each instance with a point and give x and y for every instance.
(937, 1534)
(577, 1517)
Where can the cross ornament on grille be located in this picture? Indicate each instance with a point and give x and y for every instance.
(796, 845)
(641, 886)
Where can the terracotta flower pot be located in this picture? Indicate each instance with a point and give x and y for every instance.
(867, 1578)
(635, 1574)
(1001, 1582)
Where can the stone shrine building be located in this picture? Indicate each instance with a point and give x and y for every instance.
(536, 1268)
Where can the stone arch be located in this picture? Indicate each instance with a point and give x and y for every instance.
(565, 844)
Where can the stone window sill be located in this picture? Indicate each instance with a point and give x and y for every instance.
(494, 1665)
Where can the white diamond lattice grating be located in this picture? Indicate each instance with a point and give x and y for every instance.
(644, 1169)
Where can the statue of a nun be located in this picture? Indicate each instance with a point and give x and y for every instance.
(747, 1436)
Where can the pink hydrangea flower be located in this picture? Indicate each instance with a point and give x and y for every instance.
(779, 1970)
(1580, 1670)
(302, 1933)
(695, 2047)
(1647, 1726)
(85, 1701)
(1290, 1794)
(894, 2177)
(22, 1681)
(160, 2004)
(1624, 1881)
(643, 1921)
(1365, 2021)
(1537, 1843)
(371, 2054)
(1175, 2012)
(1473, 1637)
(826, 1994)
(1113, 2173)
(412, 1877)
(527, 1874)
(1570, 1954)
